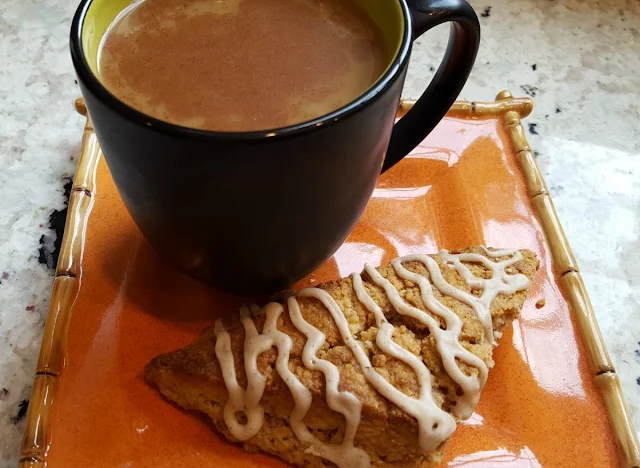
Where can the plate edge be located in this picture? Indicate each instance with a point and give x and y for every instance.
(66, 286)
(566, 268)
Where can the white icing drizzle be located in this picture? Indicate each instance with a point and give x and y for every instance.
(446, 340)
(241, 400)
(434, 424)
(345, 455)
(500, 282)
(344, 402)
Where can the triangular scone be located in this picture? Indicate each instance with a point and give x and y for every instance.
(370, 370)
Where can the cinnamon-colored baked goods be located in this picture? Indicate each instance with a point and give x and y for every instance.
(369, 370)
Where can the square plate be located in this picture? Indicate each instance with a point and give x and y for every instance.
(548, 402)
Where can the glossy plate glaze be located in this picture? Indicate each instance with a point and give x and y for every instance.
(463, 186)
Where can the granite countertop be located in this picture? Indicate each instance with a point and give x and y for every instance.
(579, 60)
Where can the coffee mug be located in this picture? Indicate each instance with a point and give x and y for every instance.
(252, 212)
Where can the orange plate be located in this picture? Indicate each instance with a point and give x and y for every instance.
(462, 186)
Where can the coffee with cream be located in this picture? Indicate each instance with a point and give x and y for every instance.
(241, 65)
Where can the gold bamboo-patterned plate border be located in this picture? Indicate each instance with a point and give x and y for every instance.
(67, 282)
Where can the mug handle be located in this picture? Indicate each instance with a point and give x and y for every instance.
(464, 41)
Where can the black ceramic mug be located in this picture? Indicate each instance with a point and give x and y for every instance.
(252, 212)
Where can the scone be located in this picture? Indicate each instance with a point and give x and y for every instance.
(371, 370)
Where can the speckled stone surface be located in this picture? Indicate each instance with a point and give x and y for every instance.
(579, 60)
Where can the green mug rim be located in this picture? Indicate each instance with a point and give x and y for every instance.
(93, 84)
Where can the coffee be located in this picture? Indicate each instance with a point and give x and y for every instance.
(241, 65)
